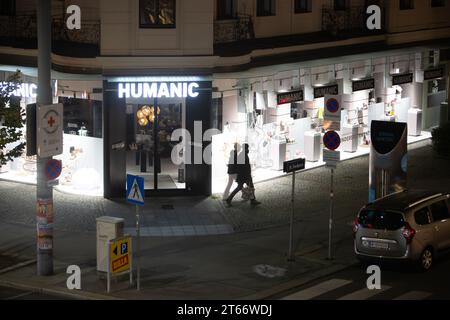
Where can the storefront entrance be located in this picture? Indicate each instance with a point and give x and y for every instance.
(144, 122)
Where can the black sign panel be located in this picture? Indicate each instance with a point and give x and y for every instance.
(402, 79)
(31, 130)
(289, 97)
(294, 165)
(386, 135)
(320, 92)
(434, 73)
(363, 85)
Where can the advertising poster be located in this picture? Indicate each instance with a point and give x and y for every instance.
(44, 214)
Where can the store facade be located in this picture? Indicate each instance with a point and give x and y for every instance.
(279, 110)
(177, 131)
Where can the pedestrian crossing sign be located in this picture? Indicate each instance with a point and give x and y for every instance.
(135, 190)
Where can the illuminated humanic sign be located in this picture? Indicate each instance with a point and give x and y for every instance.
(402, 79)
(365, 84)
(157, 89)
(320, 92)
(24, 90)
(434, 73)
(290, 97)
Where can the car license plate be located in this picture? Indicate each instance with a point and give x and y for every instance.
(379, 245)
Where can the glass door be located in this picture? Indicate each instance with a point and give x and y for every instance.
(152, 154)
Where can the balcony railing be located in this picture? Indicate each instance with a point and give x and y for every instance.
(232, 30)
(21, 31)
(349, 22)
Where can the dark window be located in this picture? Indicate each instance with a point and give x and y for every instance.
(303, 6)
(8, 8)
(340, 5)
(225, 9)
(157, 13)
(439, 211)
(265, 8)
(382, 220)
(422, 216)
(82, 116)
(406, 4)
(438, 3)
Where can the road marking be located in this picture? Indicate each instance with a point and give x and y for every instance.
(318, 290)
(414, 295)
(364, 294)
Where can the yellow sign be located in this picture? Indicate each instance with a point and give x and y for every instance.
(120, 255)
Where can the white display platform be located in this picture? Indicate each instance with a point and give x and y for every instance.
(349, 137)
(414, 122)
(277, 153)
(312, 146)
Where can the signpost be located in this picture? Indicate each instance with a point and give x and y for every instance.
(135, 195)
(292, 167)
(332, 141)
(49, 133)
(48, 138)
(332, 114)
(119, 259)
(53, 169)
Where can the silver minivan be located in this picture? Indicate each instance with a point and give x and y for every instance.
(405, 226)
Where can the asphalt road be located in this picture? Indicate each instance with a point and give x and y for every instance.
(7, 293)
(398, 282)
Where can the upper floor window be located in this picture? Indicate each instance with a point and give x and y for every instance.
(340, 5)
(157, 13)
(438, 3)
(265, 8)
(303, 6)
(225, 9)
(8, 8)
(406, 4)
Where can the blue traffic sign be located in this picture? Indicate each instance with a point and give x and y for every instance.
(135, 190)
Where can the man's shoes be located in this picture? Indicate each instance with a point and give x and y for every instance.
(255, 203)
(228, 202)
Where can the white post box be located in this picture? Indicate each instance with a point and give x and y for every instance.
(108, 228)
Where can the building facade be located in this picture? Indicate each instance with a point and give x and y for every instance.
(164, 88)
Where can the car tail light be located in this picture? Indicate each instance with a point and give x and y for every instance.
(408, 232)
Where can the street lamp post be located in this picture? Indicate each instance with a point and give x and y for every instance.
(44, 193)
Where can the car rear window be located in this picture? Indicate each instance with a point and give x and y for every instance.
(379, 219)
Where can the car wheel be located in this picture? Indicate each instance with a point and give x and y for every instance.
(426, 259)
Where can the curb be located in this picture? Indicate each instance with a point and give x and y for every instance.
(57, 292)
(17, 266)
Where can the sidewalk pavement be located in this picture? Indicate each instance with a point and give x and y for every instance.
(239, 266)
(228, 253)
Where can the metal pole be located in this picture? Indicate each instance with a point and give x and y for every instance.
(330, 222)
(291, 228)
(156, 161)
(108, 269)
(138, 249)
(44, 97)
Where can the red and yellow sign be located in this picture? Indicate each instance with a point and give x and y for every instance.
(120, 255)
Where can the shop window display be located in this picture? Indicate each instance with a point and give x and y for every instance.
(82, 155)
